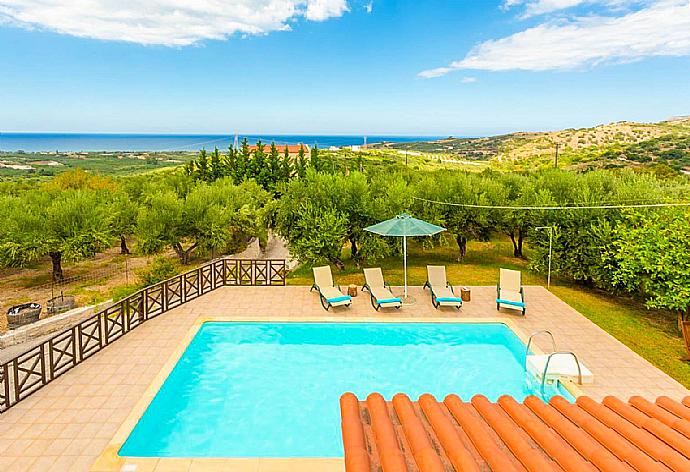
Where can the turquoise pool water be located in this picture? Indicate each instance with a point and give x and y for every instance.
(272, 389)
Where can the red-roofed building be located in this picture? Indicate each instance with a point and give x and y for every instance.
(293, 149)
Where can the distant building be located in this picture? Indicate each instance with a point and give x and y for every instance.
(293, 149)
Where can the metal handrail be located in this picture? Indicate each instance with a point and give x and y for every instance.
(546, 367)
(536, 333)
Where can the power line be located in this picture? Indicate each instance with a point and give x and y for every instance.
(194, 145)
(583, 207)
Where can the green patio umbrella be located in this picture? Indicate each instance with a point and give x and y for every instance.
(404, 226)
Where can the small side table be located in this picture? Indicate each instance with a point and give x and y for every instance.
(465, 294)
(352, 290)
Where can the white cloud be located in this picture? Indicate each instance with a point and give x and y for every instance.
(540, 7)
(320, 10)
(468, 80)
(438, 72)
(165, 22)
(369, 7)
(659, 29)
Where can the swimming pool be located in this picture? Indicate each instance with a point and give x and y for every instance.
(272, 389)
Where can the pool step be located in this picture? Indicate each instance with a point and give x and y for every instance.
(557, 365)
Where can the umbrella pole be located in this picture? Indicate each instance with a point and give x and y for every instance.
(405, 261)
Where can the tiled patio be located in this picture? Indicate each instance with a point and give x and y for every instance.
(67, 424)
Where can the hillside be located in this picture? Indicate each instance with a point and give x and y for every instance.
(621, 144)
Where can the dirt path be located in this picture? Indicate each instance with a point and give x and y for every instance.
(276, 248)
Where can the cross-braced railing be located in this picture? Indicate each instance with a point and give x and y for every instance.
(40, 365)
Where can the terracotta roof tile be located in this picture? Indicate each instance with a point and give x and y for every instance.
(292, 148)
(433, 436)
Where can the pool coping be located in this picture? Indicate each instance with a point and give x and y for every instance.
(110, 461)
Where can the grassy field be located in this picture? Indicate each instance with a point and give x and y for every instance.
(44, 166)
(652, 334)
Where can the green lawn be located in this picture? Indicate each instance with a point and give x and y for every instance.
(652, 334)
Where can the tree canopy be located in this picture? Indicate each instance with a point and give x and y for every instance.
(321, 206)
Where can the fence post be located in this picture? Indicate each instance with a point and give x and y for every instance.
(6, 385)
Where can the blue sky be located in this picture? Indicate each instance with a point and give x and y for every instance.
(340, 66)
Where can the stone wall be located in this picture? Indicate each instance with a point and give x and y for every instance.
(36, 331)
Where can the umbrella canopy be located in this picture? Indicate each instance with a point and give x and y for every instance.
(403, 226)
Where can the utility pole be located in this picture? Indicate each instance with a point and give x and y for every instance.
(556, 162)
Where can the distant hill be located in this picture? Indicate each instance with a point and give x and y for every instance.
(621, 144)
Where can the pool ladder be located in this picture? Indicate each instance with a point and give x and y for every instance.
(554, 352)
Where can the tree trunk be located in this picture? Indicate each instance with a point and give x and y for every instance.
(339, 264)
(512, 240)
(123, 245)
(56, 259)
(517, 243)
(462, 247)
(684, 325)
(354, 250)
(184, 254)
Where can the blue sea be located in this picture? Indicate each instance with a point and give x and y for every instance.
(37, 142)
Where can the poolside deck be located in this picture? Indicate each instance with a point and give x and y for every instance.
(67, 424)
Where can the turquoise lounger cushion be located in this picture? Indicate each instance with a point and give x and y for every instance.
(389, 300)
(449, 299)
(508, 302)
(344, 298)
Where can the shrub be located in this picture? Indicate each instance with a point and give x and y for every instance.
(123, 291)
(159, 270)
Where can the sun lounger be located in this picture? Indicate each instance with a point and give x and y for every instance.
(381, 295)
(442, 293)
(329, 294)
(509, 292)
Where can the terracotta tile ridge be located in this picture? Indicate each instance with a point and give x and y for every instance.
(607, 436)
(676, 408)
(424, 454)
(686, 401)
(662, 431)
(392, 459)
(354, 443)
(562, 452)
(457, 453)
(511, 435)
(485, 444)
(641, 438)
(585, 444)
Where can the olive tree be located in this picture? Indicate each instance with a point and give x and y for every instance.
(460, 189)
(64, 225)
(123, 212)
(348, 202)
(205, 219)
